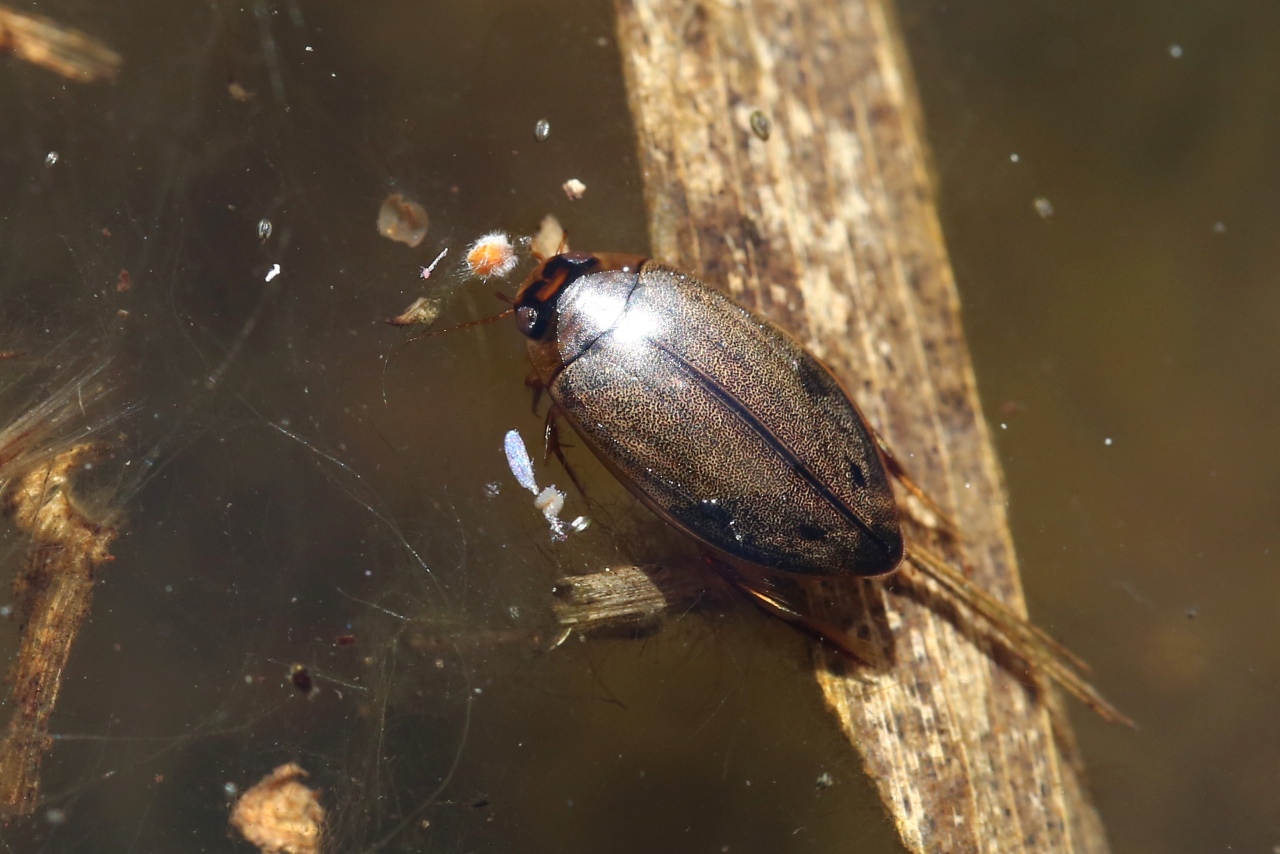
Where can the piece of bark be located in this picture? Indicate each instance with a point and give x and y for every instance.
(626, 599)
(54, 590)
(45, 42)
(827, 225)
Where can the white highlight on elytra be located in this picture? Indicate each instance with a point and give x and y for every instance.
(609, 311)
(637, 327)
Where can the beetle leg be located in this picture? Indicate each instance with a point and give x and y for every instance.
(560, 638)
(533, 382)
(1017, 632)
(553, 446)
(899, 472)
(774, 602)
(895, 467)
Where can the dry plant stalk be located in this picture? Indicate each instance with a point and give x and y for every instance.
(280, 815)
(826, 223)
(44, 42)
(628, 598)
(54, 588)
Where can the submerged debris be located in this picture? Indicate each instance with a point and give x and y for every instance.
(239, 93)
(761, 125)
(54, 588)
(44, 42)
(574, 189)
(301, 679)
(491, 255)
(518, 460)
(550, 239)
(426, 271)
(280, 815)
(402, 220)
(421, 312)
(424, 310)
(550, 500)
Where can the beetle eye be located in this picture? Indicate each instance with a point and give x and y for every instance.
(530, 322)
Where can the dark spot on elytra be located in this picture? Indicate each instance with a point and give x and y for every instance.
(720, 525)
(816, 381)
(812, 533)
(712, 511)
(859, 477)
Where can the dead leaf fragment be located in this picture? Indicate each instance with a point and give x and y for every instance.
(550, 239)
(421, 312)
(239, 93)
(43, 41)
(280, 815)
(402, 220)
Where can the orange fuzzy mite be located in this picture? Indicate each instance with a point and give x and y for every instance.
(491, 255)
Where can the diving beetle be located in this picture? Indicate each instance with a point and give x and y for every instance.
(725, 426)
(711, 415)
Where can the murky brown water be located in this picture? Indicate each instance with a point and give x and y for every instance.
(314, 478)
(1129, 344)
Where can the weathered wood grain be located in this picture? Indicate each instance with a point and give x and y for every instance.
(828, 226)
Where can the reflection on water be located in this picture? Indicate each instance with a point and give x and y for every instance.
(330, 494)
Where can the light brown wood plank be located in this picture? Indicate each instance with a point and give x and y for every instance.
(829, 227)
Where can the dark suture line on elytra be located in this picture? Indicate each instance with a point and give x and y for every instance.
(775, 444)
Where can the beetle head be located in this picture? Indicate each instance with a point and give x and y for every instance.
(536, 299)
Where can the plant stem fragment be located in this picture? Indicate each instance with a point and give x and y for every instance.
(55, 588)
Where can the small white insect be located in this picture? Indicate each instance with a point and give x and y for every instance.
(518, 460)
(426, 271)
(550, 500)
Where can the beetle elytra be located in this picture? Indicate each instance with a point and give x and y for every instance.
(726, 427)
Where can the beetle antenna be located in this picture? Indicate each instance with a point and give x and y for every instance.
(399, 348)
(562, 248)
(504, 298)
(466, 325)
(455, 328)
